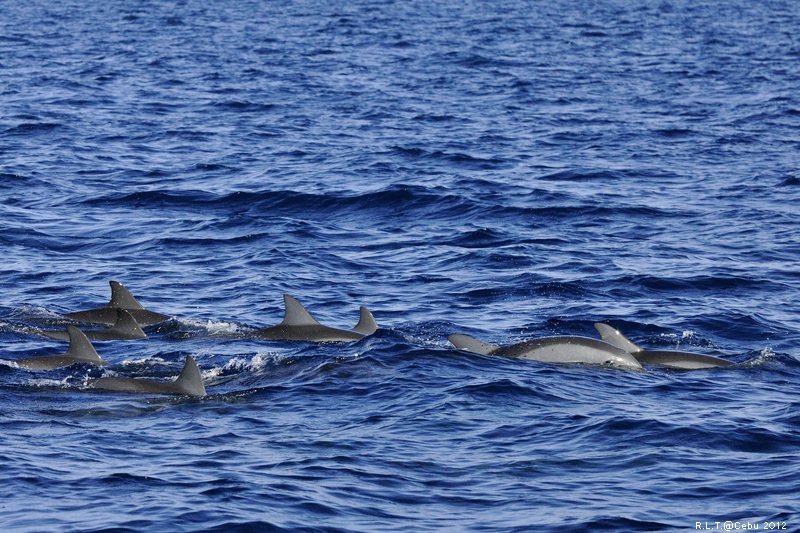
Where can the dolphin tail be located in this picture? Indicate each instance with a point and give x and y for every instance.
(80, 347)
(190, 381)
(470, 344)
(127, 326)
(121, 298)
(366, 323)
(296, 314)
(615, 338)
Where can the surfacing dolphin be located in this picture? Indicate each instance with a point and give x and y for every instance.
(80, 351)
(670, 358)
(553, 350)
(121, 298)
(125, 328)
(299, 325)
(189, 382)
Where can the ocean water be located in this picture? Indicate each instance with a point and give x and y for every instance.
(509, 169)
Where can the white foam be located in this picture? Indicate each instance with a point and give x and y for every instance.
(36, 311)
(766, 355)
(50, 383)
(214, 327)
(259, 361)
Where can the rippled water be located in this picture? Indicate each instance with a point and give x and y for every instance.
(507, 170)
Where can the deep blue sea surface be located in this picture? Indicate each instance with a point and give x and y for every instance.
(509, 170)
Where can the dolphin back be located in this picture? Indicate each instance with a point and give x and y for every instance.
(190, 381)
(126, 326)
(682, 360)
(121, 298)
(670, 358)
(366, 324)
(296, 314)
(299, 325)
(80, 351)
(615, 338)
(81, 348)
(471, 344)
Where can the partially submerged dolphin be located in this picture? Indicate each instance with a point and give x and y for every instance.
(80, 351)
(553, 350)
(121, 298)
(299, 325)
(189, 382)
(125, 328)
(671, 358)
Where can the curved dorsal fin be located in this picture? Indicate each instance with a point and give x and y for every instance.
(366, 323)
(470, 344)
(190, 381)
(296, 314)
(80, 347)
(121, 298)
(615, 338)
(127, 326)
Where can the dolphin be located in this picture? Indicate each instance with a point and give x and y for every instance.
(671, 358)
(125, 328)
(80, 351)
(299, 325)
(189, 382)
(121, 298)
(553, 350)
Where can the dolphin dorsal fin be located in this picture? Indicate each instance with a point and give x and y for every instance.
(470, 344)
(296, 314)
(126, 325)
(80, 347)
(615, 338)
(121, 298)
(366, 324)
(190, 381)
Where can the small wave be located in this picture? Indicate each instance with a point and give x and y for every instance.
(457, 158)
(11, 181)
(705, 283)
(482, 238)
(243, 107)
(33, 127)
(675, 132)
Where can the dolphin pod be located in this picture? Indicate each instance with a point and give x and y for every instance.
(126, 316)
(299, 325)
(123, 313)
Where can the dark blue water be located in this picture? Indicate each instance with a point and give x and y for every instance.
(505, 169)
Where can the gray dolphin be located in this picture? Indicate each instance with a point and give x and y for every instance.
(553, 350)
(671, 358)
(189, 382)
(121, 298)
(80, 351)
(299, 325)
(125, 328)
